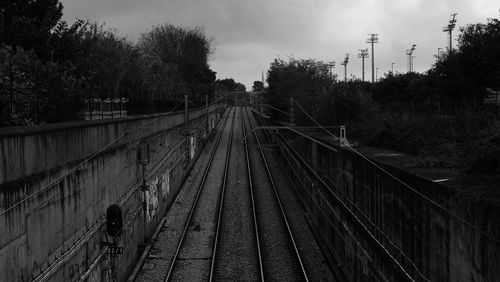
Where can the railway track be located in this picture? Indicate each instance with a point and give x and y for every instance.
(232, 226)
(280, 256)
(188, 248)
(251, 191)
(221, 202)
(237, 255)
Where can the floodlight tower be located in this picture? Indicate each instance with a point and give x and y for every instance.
(409, 53)
(449, 28)
(344, 63)
(363, 54)
(372, 40)
(330, 66)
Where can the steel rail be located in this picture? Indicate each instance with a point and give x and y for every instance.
(221, 198)
(195, 204)
(250, 185)
(271, 180)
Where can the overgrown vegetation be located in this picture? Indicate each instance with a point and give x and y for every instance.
(440, 116)
(230, 85)
(48, 67)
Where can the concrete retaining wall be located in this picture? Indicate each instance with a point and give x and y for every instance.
(379, 229)
(56, 182)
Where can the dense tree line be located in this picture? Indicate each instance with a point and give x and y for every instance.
(230, 85)
(440, 116)
(49, 68)
(456, 83)
(258, 86)
(310, 84)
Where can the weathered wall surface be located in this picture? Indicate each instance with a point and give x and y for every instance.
(370, 220)
(53, 201)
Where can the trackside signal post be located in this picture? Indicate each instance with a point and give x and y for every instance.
(114, 227)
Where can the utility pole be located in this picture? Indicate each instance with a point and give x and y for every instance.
(392, 68)
(449, 28)
(409, 53)
(363, 54)
(330, 66)
(372, 40)
(344, 63)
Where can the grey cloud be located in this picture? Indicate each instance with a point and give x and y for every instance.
(249, 34)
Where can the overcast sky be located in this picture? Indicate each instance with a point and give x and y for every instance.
(250, 34)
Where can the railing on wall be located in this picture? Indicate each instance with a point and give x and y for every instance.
(97, 108)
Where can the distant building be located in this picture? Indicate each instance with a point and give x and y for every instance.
(492, 96)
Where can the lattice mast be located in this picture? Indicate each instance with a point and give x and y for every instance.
(330, 66)
(409, 53)
(363, 53)
(372, 40)
(344, 63)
